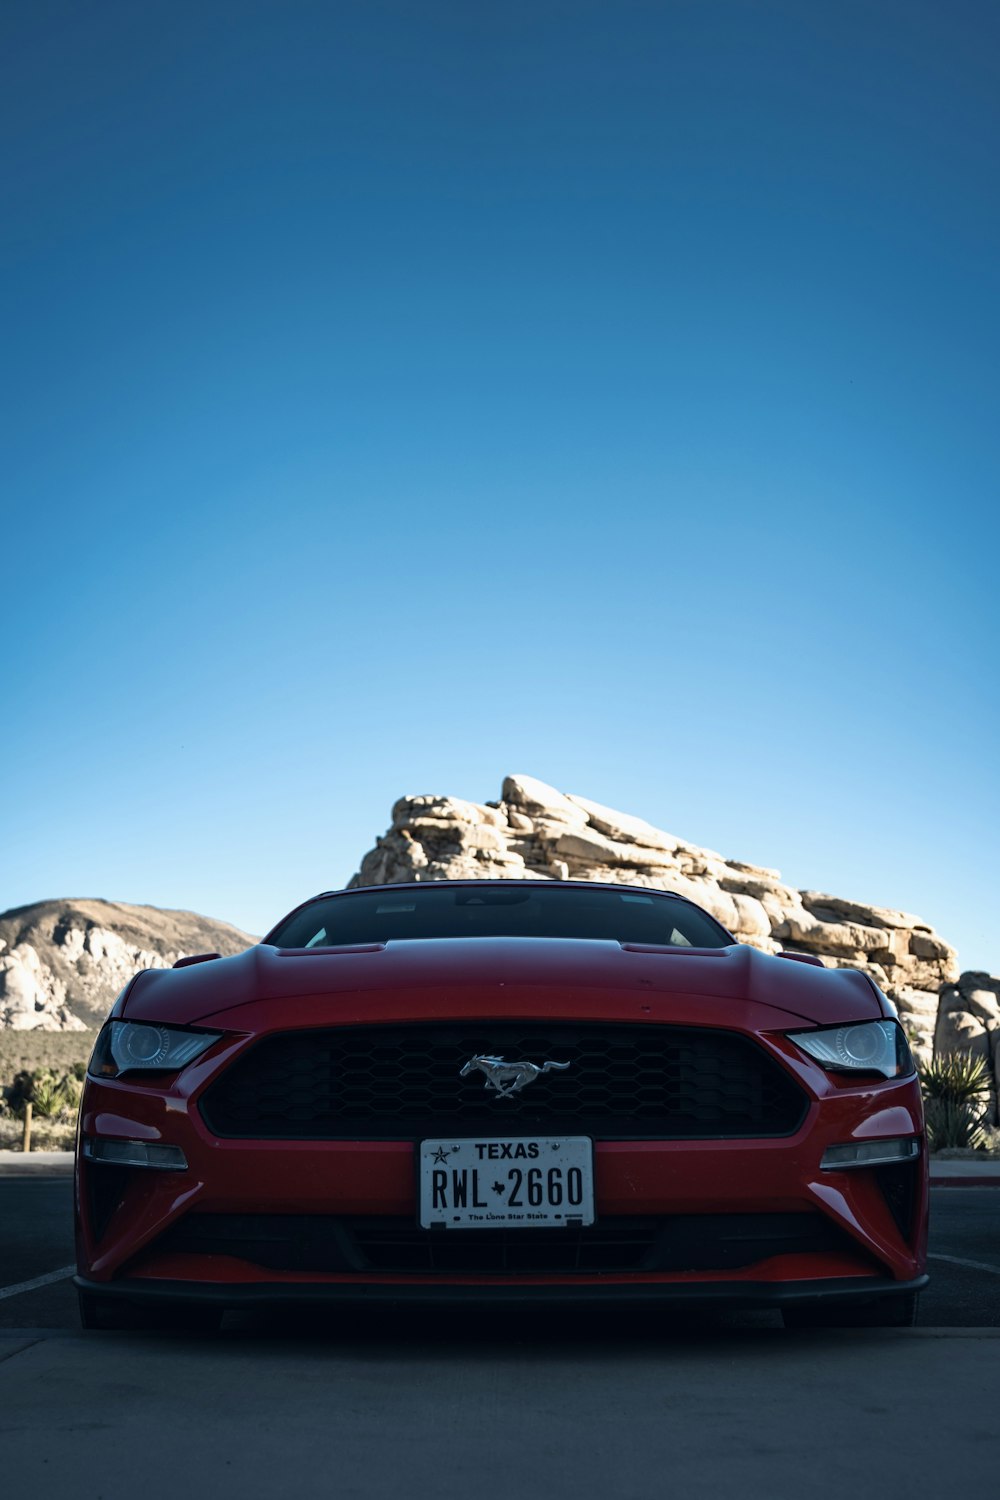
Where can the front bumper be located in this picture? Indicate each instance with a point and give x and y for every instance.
(123, 1247)
(128, 1220)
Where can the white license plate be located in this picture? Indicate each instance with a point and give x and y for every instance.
(507, 1182)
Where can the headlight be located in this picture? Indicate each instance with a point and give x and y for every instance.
(870, 1047)
(137, 1047)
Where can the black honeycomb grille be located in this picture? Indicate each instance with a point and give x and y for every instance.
(394, 1082)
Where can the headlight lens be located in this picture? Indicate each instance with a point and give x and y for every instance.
(138, 1047)
(868, 1047)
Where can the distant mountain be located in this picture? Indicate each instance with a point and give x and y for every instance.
(63, 962)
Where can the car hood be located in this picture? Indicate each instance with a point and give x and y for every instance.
(498, 977)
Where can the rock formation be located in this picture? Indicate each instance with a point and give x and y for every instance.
(969, 1021)
(535, 831)
(63, 962)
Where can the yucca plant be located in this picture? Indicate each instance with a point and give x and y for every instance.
(47, 1093)
(956, 1090)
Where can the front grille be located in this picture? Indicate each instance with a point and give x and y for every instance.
(676, 1242)
(398, 1082)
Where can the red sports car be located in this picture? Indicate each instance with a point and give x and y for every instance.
(507, 1091)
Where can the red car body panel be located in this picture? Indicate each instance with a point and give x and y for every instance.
(269, 990)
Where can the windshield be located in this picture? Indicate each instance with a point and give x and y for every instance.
(507, 909)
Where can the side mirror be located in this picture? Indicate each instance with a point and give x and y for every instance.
(195, 958)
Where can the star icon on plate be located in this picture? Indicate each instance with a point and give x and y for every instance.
(441, 1156)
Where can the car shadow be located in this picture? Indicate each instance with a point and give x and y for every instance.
(417, 1332)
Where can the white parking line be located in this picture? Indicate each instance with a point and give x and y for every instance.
(29, 1286)
(971, 1265)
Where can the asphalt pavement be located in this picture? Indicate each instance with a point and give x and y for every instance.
(497, 1404)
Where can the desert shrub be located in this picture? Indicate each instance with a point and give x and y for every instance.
(47, 1094)
(52, 1096)
(17, 1093)
(958, 1077)
(72, 1086)
(956, 1091)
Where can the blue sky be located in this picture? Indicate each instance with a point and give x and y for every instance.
(396, 396)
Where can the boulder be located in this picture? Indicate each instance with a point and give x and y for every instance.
(622, 828)
(530, 795)
(586, 846)
(968, 1020)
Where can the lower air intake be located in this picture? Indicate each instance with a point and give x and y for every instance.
(678, 1242)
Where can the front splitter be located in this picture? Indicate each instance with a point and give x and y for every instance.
(734, 1294)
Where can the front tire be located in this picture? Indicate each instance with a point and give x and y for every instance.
(881, 1312)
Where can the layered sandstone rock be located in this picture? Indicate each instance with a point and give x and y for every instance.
(537, 832)
(63, 962)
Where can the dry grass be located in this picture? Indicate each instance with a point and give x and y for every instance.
(24, 1051)
(46, 1135)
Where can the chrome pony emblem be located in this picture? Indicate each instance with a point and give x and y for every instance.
(509, 1078)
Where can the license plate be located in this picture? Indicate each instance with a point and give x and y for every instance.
(506, 1182)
